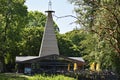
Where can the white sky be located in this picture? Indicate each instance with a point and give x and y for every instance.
(61, 8)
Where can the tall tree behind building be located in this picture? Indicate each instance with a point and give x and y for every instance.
(101, 17)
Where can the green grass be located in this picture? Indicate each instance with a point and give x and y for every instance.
(53, 77)
(12, 76)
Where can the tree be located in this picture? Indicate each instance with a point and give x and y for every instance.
(38, 19)
(65, 45)
(69, 43)
(107, 26)
(32, 34)
(101, 17)
(97, 51)
(31, 41)
(13, 18)
(76, 36)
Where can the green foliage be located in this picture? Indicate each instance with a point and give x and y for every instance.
(36, 19)
(36, 77)
(53, 77)
(97, 51)
(12, 77)
(106, 23)
(20, 31)
(12, 20)
(76, 36)
(31, 40)
(32, 34)
(116, 61)
(102, 19)
(65, 46)
(69, 43)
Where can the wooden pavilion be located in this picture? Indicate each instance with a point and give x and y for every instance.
(49, 64)
(49, 59)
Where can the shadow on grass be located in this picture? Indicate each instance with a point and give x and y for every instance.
(12, 76)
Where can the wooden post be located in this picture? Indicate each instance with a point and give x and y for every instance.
(69, 67)
(75, 66)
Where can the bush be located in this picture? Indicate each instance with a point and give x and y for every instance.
(51, 77)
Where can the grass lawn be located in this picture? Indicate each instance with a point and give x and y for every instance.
(12, 76)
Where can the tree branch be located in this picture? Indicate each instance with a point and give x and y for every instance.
(80, 22)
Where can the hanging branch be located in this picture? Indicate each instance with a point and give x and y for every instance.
(80, 22)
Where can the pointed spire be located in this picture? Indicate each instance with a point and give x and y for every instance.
(49, 42)
(50, 5)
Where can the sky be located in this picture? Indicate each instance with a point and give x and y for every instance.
(61, 8)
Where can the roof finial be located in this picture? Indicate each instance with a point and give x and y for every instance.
(49, 5)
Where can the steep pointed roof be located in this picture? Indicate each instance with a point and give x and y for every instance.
(49, 42)
(49, 45)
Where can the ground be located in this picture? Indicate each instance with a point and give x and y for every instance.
(13, 76)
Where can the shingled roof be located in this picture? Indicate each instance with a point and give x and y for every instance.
(49, 44)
